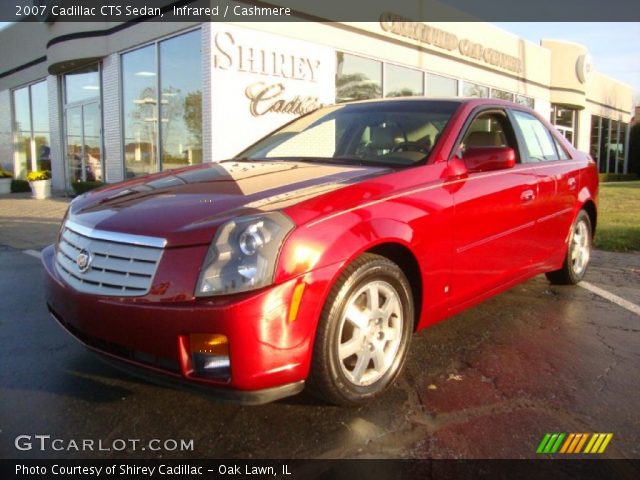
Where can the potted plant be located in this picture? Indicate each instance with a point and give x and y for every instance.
(5, 182)
(40, 182)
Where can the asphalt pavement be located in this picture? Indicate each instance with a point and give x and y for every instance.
(487, 383)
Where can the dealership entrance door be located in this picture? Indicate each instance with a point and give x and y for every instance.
(83, 126)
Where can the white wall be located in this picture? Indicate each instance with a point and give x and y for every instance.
(242, 62)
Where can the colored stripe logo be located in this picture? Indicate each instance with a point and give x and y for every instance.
(568, 443)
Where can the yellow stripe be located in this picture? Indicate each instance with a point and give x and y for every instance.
(567, 442)
(584, 439)
(574, 443)
(590, 444)
(598, 442)
(606, 442)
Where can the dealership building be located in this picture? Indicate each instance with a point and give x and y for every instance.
(110, 101)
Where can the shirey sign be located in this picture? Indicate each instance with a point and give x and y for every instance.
(260, 81)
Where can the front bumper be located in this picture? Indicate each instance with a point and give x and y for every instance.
(269, 355)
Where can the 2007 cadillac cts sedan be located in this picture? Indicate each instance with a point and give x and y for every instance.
(312, 257)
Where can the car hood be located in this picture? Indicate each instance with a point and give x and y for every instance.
(185, 206)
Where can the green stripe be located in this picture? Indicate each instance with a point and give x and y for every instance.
(552, 440)
(558, 442)
(543, 443)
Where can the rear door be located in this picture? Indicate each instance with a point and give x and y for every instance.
(494, 216)
(558, 183)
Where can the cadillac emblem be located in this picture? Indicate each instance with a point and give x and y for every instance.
(83, 261)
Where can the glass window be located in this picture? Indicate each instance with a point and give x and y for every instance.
(82, 84)
(22, 131)
(402, 82)
(604, 146)
(357, 78)
(524, 100)
(174, 117)
(501, 94)
(140, 111)
(83, 125)
(621, 144)
(562, 153)
(73, 117)
(564, 120)
(40, 118)
(393, 134)
(488, 130)
(475, 90)
(538, 140)
(564, 117)
(614, 146)
(181, 100)
(439, 86)
(594, 146)
(31, 129)
(21, 110)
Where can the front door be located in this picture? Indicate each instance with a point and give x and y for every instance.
(84, 143)
(494, 215)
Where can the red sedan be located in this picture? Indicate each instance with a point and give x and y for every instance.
(312, 257)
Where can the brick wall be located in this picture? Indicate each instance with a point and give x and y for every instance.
(112, 131)
(56, 134)
(207, 153)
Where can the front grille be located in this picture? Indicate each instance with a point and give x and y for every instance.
(122, 268)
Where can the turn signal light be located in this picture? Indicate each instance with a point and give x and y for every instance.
(210, 355)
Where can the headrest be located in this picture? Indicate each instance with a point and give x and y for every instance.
(485, 139)
(385, 137)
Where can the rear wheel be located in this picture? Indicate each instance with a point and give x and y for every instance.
(578, 253)
(364, 332)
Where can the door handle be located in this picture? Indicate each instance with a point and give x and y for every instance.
(527, 195)
(571, 183)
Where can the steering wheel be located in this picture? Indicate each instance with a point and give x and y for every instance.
(408, 146)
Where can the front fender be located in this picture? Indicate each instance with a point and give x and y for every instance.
(338, 241)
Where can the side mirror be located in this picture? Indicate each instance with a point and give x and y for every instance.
(484, 159)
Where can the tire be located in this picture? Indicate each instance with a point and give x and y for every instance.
(357, 352)
(578, 255)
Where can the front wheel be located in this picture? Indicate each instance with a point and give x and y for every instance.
(364, 332)
(578, 253)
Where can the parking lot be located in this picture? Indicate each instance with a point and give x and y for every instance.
(488, 383)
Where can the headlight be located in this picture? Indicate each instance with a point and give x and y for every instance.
(243, 254)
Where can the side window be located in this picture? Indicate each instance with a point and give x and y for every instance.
(491, 129)
(562, 153)
(540, 144)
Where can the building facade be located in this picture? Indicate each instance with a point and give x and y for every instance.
(105, 102)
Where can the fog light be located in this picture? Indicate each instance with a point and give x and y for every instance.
(210, 355)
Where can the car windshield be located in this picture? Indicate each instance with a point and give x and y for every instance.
(390, 134)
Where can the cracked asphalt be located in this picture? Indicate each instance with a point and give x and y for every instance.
(488, 383)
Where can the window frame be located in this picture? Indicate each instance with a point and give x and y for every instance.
(473, 115)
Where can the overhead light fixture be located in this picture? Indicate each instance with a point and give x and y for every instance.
(144, 73)
(91, 87)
